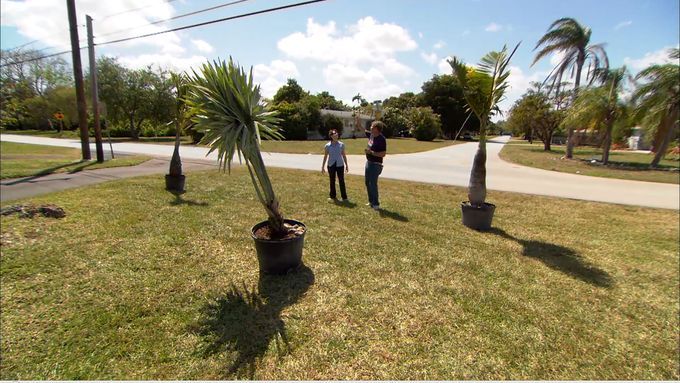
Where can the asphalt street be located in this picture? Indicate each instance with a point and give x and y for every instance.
(448, 166)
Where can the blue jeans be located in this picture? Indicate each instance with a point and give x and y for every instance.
(371, 173)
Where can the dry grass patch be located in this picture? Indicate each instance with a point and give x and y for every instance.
(136, 283)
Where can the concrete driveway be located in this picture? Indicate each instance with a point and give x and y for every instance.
(448, 166)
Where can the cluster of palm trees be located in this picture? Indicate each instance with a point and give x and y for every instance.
(654, 104)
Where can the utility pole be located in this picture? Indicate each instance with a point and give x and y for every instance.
(78, 75)
(95, 92)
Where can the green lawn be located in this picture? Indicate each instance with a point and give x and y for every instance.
(22, 160)
(623, 165)
(44, 133)
(135, 283)
(356, 146)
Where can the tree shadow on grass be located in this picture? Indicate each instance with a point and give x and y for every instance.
(41, 173)
(181, 201)
(244, 322)
(392, 214)
(560, 258)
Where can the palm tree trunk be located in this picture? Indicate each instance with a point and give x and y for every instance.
(577, 81)
(671, 122)
(606, 145)
(477, 184)
(271, 203)
(176, 161)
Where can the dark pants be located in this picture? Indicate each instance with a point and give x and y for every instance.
(372, 171)
(340, 171)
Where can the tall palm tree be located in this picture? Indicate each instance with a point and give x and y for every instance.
(600, 105)
(228, 108)
(483, 88)
(569, 38)
(658, 102)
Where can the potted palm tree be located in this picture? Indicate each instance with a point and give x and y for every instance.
(229, 110)
(483, 89)
(175, 180)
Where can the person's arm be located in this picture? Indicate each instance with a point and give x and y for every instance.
(344, 157)
(325, 156)
(377, 154)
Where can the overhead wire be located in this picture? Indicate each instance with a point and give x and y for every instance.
(177, 29)
(173, 18)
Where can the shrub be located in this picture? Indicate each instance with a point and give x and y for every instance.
(328, 122)
(395, 121)
(424, 124)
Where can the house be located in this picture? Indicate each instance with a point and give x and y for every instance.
(354, 124)
(637, 140)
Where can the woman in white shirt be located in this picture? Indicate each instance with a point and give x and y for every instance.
(334, 152)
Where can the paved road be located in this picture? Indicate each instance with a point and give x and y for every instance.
(448, 166)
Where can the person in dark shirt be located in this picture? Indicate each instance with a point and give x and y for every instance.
(375, 152)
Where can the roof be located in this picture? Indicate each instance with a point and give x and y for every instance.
(344, 114)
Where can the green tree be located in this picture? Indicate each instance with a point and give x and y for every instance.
(328, 101)
(424, 123)
(444, 94)
(567, 37)
(534, 114)
(181, 118)
(403, 101)
(395, 121)
(293, 120)
(292, 92)
(329, 122)
(228, 109)
(601, 105)
(658, 103)
(483, 89)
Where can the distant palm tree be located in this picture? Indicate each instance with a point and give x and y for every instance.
(658, 102)
(569, 38)
(483, 88)
(600, 105)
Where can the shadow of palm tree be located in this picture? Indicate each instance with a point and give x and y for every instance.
(41, 173)
(392, 214)
(560, 258)
(181, 201)
(348, 204)
(246, 322)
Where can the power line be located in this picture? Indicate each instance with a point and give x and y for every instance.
(215, 21)
(132, 10)
(174, 18)
(176, 29)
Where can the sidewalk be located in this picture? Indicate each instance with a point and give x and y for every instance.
(15, 188)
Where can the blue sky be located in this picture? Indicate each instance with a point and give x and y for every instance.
(378, 48)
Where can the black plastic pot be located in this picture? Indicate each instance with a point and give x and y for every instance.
(279, 256)
(477, 217)
(175, 183)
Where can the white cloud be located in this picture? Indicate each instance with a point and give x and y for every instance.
(444, 66)
(202, 45)
(556, 58)
(493, 27)
(165, 61)
(420, 35)
(43, 20)
(439, 44)
(365, 42)
(430, 58)
(650, 58)
(348, 79)
(623, 24)
(271, 77)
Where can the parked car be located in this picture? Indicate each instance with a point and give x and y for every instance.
(467, 136)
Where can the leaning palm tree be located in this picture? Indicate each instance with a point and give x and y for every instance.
(483, 89)
(228, 108)
(600, 106)
(182, 120)
(569, 38)
(658, 102)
